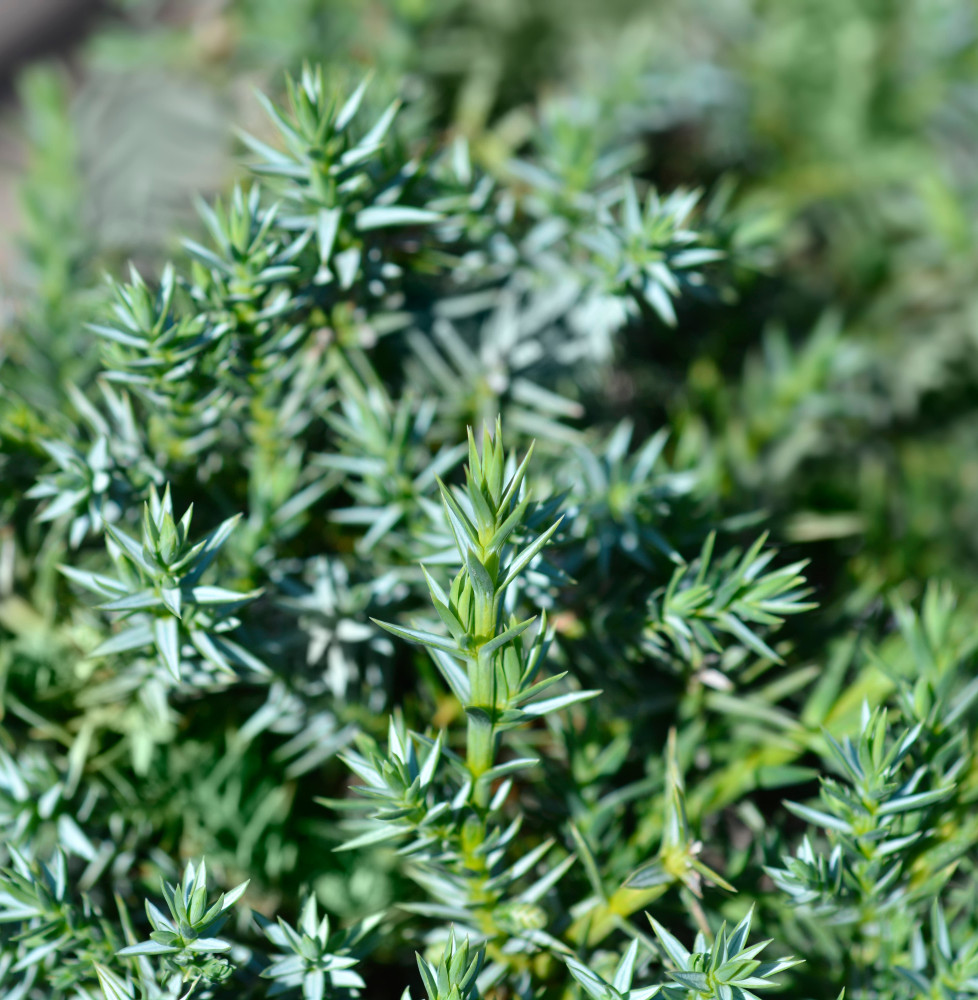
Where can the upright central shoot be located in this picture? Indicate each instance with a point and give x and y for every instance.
(454, 816)
(489, 668)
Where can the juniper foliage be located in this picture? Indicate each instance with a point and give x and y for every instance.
(396, 554)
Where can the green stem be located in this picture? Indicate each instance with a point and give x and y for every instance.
(481, 753)
(482, 736)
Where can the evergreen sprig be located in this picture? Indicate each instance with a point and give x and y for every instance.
(597, 689)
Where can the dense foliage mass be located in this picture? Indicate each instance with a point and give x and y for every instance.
(521, 544)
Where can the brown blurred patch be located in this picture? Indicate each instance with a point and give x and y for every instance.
(32, 28)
